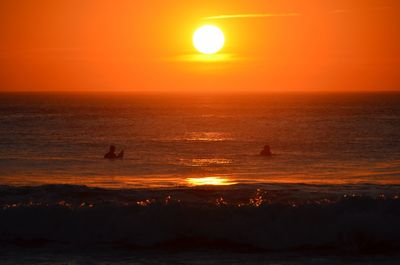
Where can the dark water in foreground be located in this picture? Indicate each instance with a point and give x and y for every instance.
(258, 224)
(188, 258)
(329, 195)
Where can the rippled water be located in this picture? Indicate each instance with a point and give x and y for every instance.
(315, 138)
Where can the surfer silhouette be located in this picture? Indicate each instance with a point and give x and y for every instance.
(266, 151)
(112, 155)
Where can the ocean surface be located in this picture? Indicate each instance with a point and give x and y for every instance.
(315, 138)
(328, 195)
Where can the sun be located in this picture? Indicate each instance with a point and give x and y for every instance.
(208, 39)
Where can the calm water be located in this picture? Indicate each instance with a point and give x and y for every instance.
(330, 138)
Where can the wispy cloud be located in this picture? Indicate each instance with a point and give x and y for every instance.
(254, 15)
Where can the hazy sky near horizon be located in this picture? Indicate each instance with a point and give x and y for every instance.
(125, 45)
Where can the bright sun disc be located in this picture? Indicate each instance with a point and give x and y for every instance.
(208, 39)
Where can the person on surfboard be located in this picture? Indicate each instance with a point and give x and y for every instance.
(112, 155)
(266, 151)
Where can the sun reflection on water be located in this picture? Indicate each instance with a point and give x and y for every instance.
(213, 181)
(208, 136)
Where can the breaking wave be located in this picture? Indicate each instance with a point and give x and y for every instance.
(354, 219)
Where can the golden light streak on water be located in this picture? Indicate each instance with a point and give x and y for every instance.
(212, 181)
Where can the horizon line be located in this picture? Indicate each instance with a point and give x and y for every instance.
(287, 91)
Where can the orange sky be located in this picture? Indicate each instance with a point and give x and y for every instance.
(126, 45)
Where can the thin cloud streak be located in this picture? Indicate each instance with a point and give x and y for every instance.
(256, 15)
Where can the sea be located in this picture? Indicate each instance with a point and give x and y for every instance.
(192, 187)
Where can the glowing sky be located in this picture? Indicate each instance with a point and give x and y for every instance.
(277, 45)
